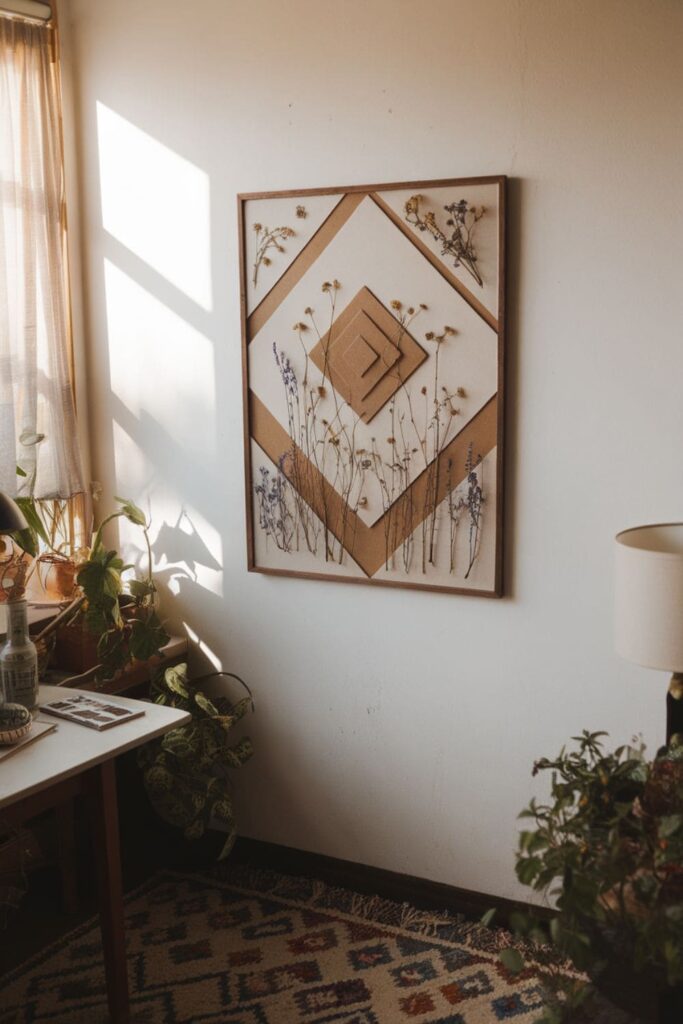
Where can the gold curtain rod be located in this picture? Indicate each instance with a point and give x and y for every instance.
(30, 10)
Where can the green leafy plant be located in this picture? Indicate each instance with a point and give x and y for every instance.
(122, 615)
(187, 772)
(608, 849)
(49, 541)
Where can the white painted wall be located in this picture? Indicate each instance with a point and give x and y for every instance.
(395, 728)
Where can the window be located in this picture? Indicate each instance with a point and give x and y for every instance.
(37, 409)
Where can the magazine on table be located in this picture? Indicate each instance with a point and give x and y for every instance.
(91, 711)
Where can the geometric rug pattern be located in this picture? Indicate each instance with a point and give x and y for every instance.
(262, 948)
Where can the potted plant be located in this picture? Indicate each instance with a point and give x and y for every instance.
(112, 621)
(187, 772)
(608, 849)
(47, 543)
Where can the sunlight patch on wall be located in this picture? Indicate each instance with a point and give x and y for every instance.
(162, 371)
(156, 203)
(204, 647)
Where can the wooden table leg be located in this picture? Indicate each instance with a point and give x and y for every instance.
(108, 857)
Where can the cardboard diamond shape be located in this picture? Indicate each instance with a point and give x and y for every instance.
(360, 355)
(367, 355)
(360, 360)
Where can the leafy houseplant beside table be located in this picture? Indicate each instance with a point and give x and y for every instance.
(77, 761)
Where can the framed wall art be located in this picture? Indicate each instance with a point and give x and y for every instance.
(373, 337)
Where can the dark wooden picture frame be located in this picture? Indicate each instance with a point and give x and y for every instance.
(276, 260)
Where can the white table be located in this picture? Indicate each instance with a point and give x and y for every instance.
(71, 761)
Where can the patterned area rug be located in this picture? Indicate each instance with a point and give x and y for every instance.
(260, 948)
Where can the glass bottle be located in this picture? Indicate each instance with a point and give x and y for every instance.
(19, 659)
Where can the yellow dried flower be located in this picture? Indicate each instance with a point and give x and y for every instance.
(257, 227)
(395, 304)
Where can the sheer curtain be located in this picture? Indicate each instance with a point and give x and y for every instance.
(37, 412)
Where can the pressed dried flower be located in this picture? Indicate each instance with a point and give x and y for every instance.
(322, 391)
(335, 284)
(327, 286)
(429, 335)
(423, 389)
(267, 238)
(391, 440)
(308, 311)
(422, 306)
(301, 212)
(362, 502)
(461, 393)
(449, 330)
(461, 223)
(395, 304)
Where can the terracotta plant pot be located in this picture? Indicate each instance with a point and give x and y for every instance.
(57, 576)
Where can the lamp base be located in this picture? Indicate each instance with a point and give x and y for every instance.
(674, 706)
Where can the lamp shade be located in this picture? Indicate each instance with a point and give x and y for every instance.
(11, 516)
(649, 596)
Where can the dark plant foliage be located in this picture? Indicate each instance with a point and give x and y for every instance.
(608, 849)
(187, 772)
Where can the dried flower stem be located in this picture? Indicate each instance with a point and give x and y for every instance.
(267, 238)
(462, 220)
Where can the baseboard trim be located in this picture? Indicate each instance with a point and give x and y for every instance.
(391, 885)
